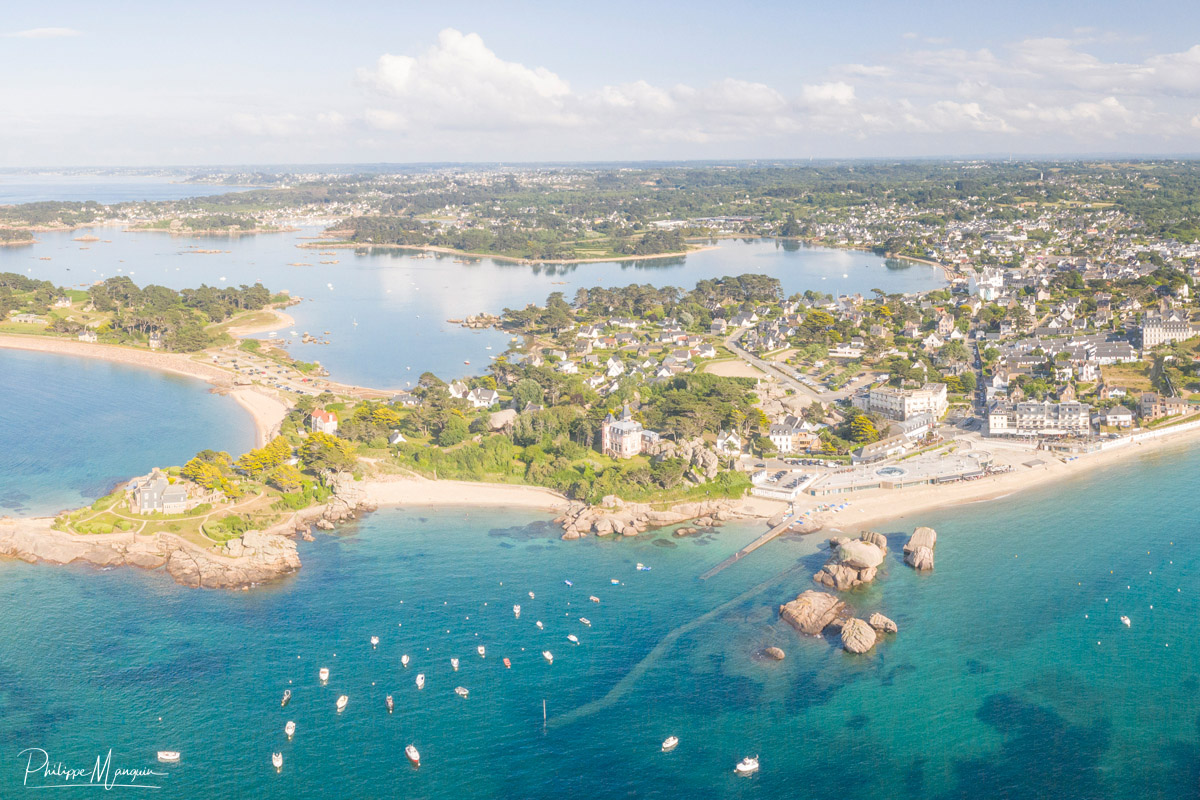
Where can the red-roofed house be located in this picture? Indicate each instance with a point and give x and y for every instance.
(324, 421)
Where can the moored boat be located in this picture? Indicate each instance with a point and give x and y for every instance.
(517, 612)
(287, 697)
(482, 652)
(421, 681)
(572, 638)
(460, 691)
(594, 599)
(341, 702)
(404, 660)
(586, 621)
(413, 755)
(374, 641)
(531, 595)
(614, 582)
(670, 743)
(546, 654)
(568, 583)
(277, 760)
(540, 625)
(507, 664)
(390, 703)
(290, 729)
(1125, 621)
(168, 756)
(454, 664)
(747, 766)
(323, 674)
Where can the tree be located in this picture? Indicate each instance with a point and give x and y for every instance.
(322, 452)
(527, 391)
(967, 379)
(862, 430)
(287, 478)
(454, 431)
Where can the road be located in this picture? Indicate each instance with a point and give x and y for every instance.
(788, 380)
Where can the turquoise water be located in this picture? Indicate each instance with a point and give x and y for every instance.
(401, 303)
(71, 428)
(1011, 676)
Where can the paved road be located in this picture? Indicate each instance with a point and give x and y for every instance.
(786, 377)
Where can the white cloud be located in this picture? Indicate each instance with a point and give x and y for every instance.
(837, 92)
(45, 33)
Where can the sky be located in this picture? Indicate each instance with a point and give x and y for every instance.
(225, 83)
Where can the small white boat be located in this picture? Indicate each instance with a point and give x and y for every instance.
(531, 595)
(670, 743)
(421, 681)
(277, 760)
(390, 703)
(1126, 621)
(517, 612)
(572, 638)
(454, 663)
(323, 674)
(614, 582)
(169, 756)
(341, 702)
(460, 691)
(643, 568)
(413, 755)
(546, 654)
(586, 621)
(290, 729)
(747, 766)
(481, 651)
(594, 599)
(568, 583)
(404, 660)
(287, 696)
(540, 625)
(374, 641)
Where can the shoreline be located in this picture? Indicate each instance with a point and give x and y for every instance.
(529, 262)
(281, 320)
(265, 409)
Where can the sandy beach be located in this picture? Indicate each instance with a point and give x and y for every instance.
(415, 491)
(266, 409)
(279, 321)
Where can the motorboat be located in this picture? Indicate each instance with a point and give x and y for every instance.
(568, 583)
(481, 651)
(670, 743)
(404, 660)
(531, 595)
(460, 691)
(374, 641)
(290, 729)
(421, 681)
(615, 582)
(341, 702)
(454, 664)
(643, 568)
(517, 612)
(413, 755)
(1126, 621)
(390, 703)
(287, 697)
(323, 674)
(572, 638)
(546, 654)
(277, 760)
(507, 664)
(169, 756)
(586, 621)
(594, 599)
(540, 625)
(747, 766)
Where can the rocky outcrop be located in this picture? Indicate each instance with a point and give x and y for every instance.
(256, 557)
(881, 623)
(855, 562)
(918, 551)
(857, 636)
(630, 519)
(774, 653)
(812, 612)
(702, 463)
(877, 539)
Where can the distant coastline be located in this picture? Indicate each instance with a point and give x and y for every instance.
(345, 245)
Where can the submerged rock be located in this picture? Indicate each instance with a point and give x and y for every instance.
(857, 636)
(882, 624)
(812, 611)
(774, 653)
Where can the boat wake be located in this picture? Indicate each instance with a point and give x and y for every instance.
(664, 645)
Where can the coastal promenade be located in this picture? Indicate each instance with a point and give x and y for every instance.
(750, 548)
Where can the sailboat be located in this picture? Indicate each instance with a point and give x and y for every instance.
(390, 703)
(290, 729)
(481, 651)
(277, 761)
(287, 696)
(517, 612)
(421, 681)
(404, 660)
(454, 663)
(374, 641)
(546, 654)
(341, 702)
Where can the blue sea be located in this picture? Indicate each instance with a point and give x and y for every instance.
(1011, 677)
(80, 187)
